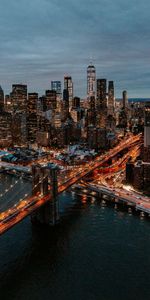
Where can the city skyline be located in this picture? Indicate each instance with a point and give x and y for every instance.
(74, 149)
(43, 41)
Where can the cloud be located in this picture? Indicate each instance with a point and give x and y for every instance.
(43, 39)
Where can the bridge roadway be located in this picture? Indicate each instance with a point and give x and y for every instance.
(141, 202)
(10, 167)
(35, 202)
(113, 172)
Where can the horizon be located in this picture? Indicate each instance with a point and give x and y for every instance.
(142, 98)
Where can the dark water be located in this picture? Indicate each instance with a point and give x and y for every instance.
(95, 253)
(12, 189)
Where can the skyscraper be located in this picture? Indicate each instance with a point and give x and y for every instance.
(19, 97)
(125, 99)
(32, 117)
(5, 129)
(50, 99)
(91, 113)
(1, 99)
(101, 103)
(91, 81)
(111, 100)
(146, 163)
(147, 125)
(76, 102)
(101, 93)
(56, 86)
(65, 104)
(68, 85)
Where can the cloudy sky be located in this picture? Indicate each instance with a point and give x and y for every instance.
(41, 40)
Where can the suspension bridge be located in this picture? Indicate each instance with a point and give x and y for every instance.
(42, 205)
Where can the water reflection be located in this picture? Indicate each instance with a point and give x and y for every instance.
(96, 252)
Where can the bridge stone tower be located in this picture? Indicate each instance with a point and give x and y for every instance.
(45, 183)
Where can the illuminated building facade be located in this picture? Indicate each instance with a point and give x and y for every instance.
(56, 86)
(19, 97)
(5, 129)
(111, 99)
(147, 133)
(96, 137)
(19, 129)
(50, 100)
(32, 117)
(147, 125)
(101, 103)
(91, 81)
(91, 113)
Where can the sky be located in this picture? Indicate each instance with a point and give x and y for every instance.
(43, 40)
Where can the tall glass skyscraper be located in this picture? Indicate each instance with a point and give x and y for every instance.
(91, 81)
(56, 86)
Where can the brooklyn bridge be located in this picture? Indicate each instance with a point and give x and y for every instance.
(47, 184)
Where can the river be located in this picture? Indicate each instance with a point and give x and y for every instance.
(95, 253)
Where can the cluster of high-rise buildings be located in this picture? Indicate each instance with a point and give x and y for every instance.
(59, 118)
(138, 172)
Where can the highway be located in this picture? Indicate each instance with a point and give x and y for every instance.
(141, 202)
(116, 189)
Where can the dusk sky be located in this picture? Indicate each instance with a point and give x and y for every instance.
(41, 40)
